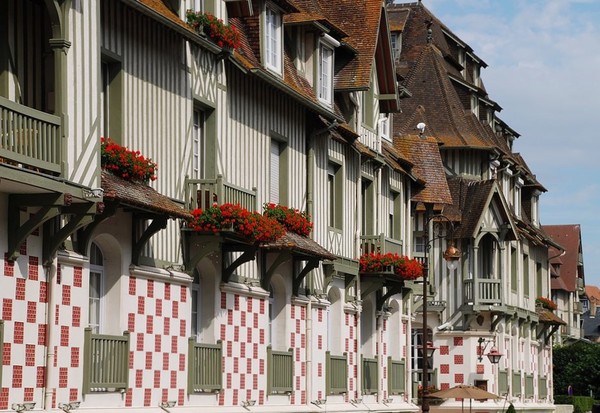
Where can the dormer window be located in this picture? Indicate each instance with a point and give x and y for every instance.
(325, 69)
(273, 40)
(325, 73)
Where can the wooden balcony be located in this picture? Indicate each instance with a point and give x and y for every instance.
(204, 367)
(29, 138)
(373, 244)
(106, 362)
(369, 375)
(397, 376)
(336, 368)
(280, 371)
(482, 291)
(203, 193)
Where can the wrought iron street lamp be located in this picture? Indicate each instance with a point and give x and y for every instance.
(494, 355)
(452, 256)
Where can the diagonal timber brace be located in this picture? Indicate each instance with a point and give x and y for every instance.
(158, 223)
(248, 254)
(311, 264)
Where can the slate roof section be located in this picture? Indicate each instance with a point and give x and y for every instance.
(428, 168)
(300, 245)
(569, 236)
(140, 196)
(548, 317)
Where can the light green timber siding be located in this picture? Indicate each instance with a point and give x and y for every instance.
(156, 104)
(253, 113)
(82, 88)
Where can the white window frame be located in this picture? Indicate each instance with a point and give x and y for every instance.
(274, 177)
(325, 85)
(273, 39)
(199, 143)
(98, 271)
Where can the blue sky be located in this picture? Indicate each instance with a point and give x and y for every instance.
(544, 71)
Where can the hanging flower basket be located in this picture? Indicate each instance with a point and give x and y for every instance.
(125, 163)
(232, 217)
(546, 303)
(292, 219)
(404, 267)
(224, 36)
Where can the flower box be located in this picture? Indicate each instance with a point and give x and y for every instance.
(225, 36)
(546, 303)
(292, 219)
(125, 163)
(402, 266)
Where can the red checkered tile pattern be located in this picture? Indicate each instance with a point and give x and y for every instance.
(351, 348)
(298, 343)
(159, 341)
(23, 299)
(244, 348)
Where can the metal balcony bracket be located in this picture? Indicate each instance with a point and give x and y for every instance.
(84, 234)
(268, 272)
(50, 207)
(159, 222)
(248, 254)
(80, 216)
(311, 264)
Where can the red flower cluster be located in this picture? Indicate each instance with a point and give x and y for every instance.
(546, 303)
(125, 163)
(292, 219)
(232, 216)
(406, 268)
(223, 35)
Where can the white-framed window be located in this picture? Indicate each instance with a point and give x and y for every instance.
(325, 73)
(275, 172)
(475, 105)
(96, 290)
(273, 40)
(384, 126)
(198, 142)
(394, 40)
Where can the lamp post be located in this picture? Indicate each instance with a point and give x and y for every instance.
(451, 255)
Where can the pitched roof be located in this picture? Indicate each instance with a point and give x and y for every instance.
(471, 201)
(548, 317)
(140, 196)
(569, 236)
(300, 245)
(593, 293)
(428, 168)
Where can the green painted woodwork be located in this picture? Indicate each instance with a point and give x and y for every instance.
(336, 370)
(379, 244)
(204, 366)
(280, 371)
(112, 79)
(397, 376)
(516, 384)
(503, 382)
(529, 385)
(369, 375)
(4, 50)
(106, 362)
(542, 387)
(483, 291)
(30, 137)
(203, 193)
(159, 222)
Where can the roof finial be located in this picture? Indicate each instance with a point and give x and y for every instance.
(428, 23)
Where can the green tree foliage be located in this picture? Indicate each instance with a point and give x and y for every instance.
(577, 365)
(511, 409)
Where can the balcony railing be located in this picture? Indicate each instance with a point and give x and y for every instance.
(336, 368)
(397, 376)
(482, 291)
(369, 375)
(280, 370)
(578, 307)
(106, 362)
(29, 137)
(503, 382)
(203, 193)
(516, 384)
(370, 244)
(417, 376)
(542, 387)
(204, 367)
(529, 385)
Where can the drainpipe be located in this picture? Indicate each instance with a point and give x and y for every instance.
(309, 375)
(50, 333)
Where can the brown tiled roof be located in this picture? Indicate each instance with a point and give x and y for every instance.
(428, 168)
(300, 245)
(569, 236)
(140, 196)
(397, 18)
(548, 317)
(395, 159)
(471, 201)
(161, 9)
(593, 293)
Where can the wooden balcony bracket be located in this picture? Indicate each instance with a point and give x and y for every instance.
(50, 206)
(248, 254)
(265, 280)
(212, 244)
(84, 234)
(159, 222)
(311, 264)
